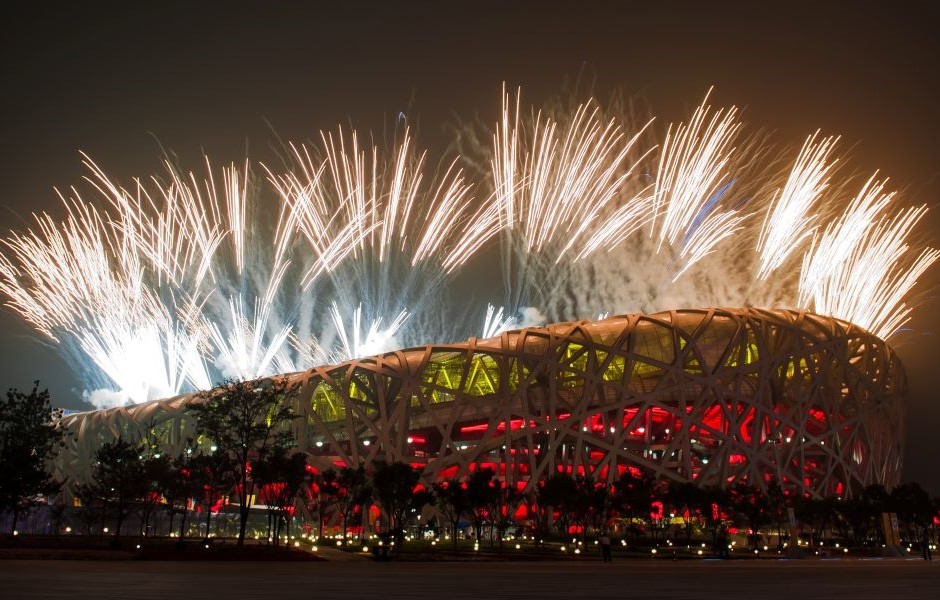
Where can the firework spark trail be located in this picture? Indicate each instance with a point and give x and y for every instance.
(789, 222)
(389, 201)
(254, 328)
(693, 213)
(243, 350)
(147, 355)
(248, 339)
(503, 164)
(193, 222)
(365, 342)
(495, 323)
(866, 281)
(149, 281)
(833, 248)
(330, 240)
(178, 277)
(480, 227)
(705, 237)
(629, 218)
(692, 178)
(82, 285)
(409, 236)
(560, 182)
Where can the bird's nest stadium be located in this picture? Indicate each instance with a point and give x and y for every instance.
(712, 396)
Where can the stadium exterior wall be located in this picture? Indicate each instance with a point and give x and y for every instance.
(705, 395)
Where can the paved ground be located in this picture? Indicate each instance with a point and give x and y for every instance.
(829, 579)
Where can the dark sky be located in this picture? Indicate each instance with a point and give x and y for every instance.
(113, 79)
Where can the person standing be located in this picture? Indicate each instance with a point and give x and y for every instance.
(605, 547)
(925, 542)
(722, 542)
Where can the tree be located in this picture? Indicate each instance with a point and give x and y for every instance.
(324, 493)
(560, 493)
(180, 486)
(210, 474)
(874, 500)
(280, 475)
(503, 508)
(246, 420)
(29, 439)
(591, 504)
(751, 502)
(710, 504)
(777, 503)
(119, 480)
(482, 493)
(453, 501)
(685, 499)
(157, 471)
(913, 506)
(818, 513)
(397, 489)
(633, 496)
(354, 492)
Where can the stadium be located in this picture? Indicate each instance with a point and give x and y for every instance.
(711, 395)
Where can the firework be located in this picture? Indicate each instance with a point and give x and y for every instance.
(497, 321)
(709, 227)
(364, 342)
(180, 279)
(859, 269)
(789, 221)
(692, 180)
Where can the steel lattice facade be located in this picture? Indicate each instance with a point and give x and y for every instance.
(705, 395)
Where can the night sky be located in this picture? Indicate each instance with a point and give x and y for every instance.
(119, 82)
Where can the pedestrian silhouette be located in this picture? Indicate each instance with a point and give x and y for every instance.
(605, 547)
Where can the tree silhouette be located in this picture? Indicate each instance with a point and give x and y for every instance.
(482, 493)
(396, 487)
(354, 491)
(633, 497)
(560, 493)
(324, 493)
(245, 420)
(29, 439)
(181, 484)
(913, 506)
(211, 473)
(685, 498)
(752, 503)
(453, 502)
(281, 475)
(119, 480)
